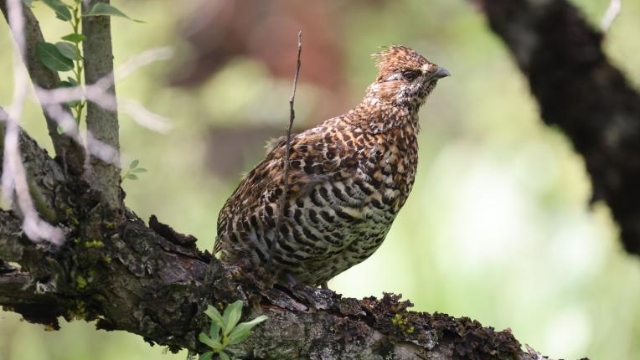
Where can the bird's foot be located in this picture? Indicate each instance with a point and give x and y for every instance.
(318, 298)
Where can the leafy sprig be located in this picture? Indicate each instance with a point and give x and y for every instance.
(225, 330)
(133, 170)
(67, 55)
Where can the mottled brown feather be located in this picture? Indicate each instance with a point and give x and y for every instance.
(348, 178)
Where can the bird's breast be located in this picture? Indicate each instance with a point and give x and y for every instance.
(389, 168)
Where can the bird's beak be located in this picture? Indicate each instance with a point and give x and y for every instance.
(439, 74)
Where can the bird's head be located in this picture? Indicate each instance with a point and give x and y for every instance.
(405, 78)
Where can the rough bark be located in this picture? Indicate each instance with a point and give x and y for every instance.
(579, 91)
(102, 124)
(152, 282)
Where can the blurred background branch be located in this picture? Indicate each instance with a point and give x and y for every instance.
(580, 91)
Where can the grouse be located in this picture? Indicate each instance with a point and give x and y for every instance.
(348, 178)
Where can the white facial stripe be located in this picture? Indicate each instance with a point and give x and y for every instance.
(424, 68)
(394, 76)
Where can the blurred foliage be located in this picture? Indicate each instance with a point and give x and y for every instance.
(498, 227)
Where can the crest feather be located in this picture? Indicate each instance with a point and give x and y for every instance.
(398, 57)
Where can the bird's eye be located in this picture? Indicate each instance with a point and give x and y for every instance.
(410, 75)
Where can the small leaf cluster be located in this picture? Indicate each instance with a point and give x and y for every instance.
(225, 330)
(133, 170)
(66, 55)
(402, 322)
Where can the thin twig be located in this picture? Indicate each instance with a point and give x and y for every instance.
(610, 15)
(292, 116)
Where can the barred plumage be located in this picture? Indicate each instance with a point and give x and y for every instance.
(348, 178)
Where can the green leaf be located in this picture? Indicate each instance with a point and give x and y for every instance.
(206, 356)
(214, 315)
(231, 316)
(255, 321)
(139, 170)
(214, 331)
(132, 177)
(223, 356)
(68, 84)
(51, 57)
(60, 8)
(238, 335)
(213, 344)
(74, 38)
(102, 9)
(73, 81)
(134, 164)
(241, 332)
(68, 50)
(28, 2)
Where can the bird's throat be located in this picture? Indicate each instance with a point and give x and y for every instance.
(374, 116)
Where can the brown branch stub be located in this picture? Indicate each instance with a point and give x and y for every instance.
(582, 93)
(168, 233)
(102, 124)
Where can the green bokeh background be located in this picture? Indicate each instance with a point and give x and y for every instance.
(498, 226)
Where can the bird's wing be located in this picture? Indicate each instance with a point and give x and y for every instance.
(316, 156)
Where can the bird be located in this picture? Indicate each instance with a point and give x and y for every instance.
(348, 178)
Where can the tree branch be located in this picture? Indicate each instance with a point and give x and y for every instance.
(42, 182)
(150, 281)
(102, 124)
(65, 147)
(581, 92)
(46, 180)
(10, 233)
